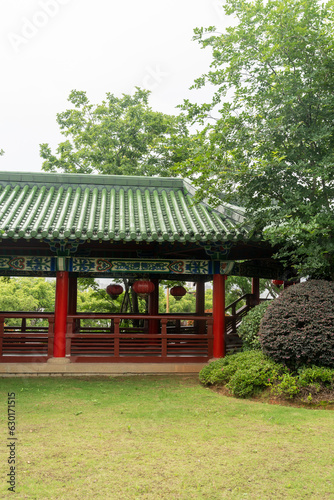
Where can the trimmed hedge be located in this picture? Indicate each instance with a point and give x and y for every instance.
(298, 326)
(248, 331)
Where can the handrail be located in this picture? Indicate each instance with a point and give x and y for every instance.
(11, 314)
(246, 296)
(136, 316)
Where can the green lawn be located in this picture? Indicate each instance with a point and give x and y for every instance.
(161, 438)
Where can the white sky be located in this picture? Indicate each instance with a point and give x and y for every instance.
(49, 47)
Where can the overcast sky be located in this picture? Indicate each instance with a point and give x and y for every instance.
(49, 47)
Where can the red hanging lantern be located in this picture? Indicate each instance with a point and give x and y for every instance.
(178, 292)
(114, 290)
(277, 282)
(143, 287)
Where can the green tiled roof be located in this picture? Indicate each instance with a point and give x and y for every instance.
(110, 208)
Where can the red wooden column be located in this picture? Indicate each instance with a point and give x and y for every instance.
(219, 315)
(153, 308)
(60, 314)
(256, 290)
(200, 304)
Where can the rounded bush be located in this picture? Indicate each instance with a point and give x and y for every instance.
(244, 373)
(248, 331)
(298, 326)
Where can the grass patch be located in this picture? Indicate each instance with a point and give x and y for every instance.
(148, 437)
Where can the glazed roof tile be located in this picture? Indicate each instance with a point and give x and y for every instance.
(110, 208)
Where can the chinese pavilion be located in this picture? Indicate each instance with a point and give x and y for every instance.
(68, 226)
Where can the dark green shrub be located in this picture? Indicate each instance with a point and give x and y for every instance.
(298, 327)
(248, 331)
(245, 373)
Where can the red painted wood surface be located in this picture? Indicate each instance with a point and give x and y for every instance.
(125, 344)
(60, 314)
(22, 343)
(218, 315)
(120, 343)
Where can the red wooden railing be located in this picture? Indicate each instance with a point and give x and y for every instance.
(179, 337)
(26, 343)
(115, 343)
(120, 343)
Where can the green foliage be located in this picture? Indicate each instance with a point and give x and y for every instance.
(270, 147)
(308, 380)
(27, 294)
(251, 372)
(119, 136)
(298, 327)
(287, 386)
(244, 373)
(98, 301)
(315, 375)
(187, 304)
(235, 287)
(248, 331)
(86, 283)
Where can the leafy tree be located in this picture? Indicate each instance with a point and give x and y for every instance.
(270, 145)
(119, 136)
(187, 304)
(27, 294)
(91, 298)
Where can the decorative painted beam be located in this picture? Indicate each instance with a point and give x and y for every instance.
(80, 265)
(11, 265)
(22, 263)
